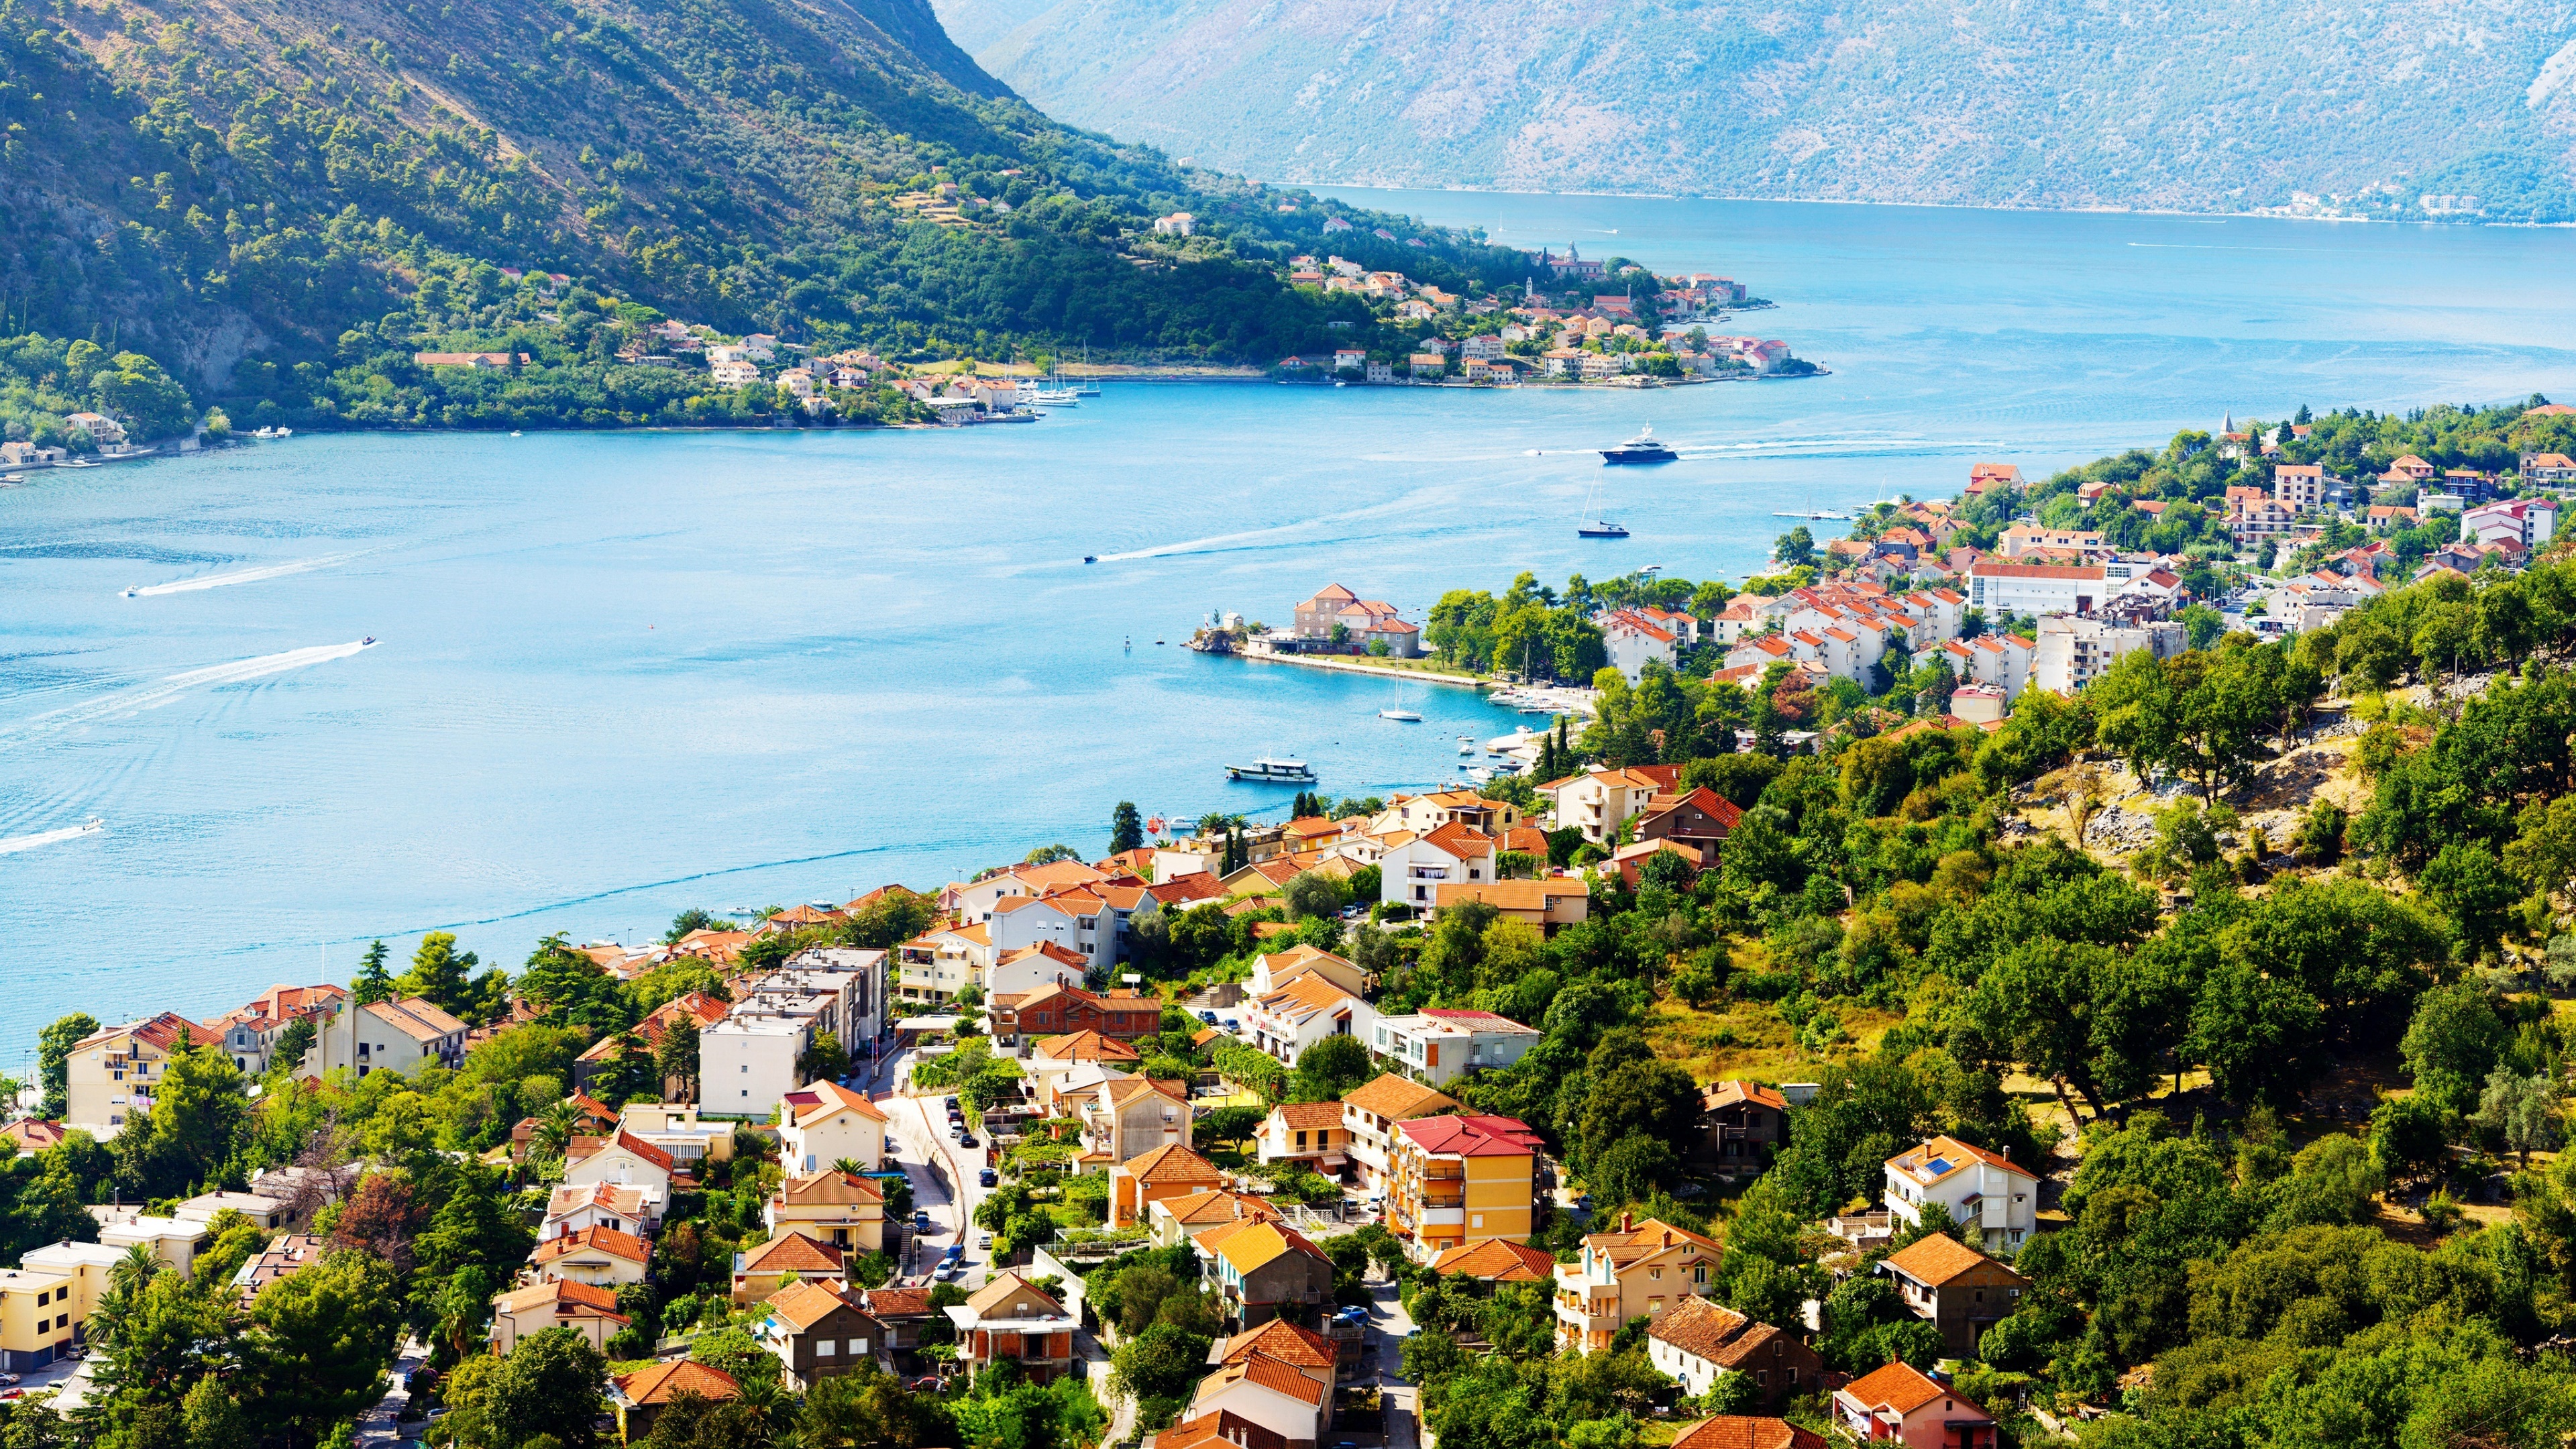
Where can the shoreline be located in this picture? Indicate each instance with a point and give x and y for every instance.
(2102, 210)
(1352, 666)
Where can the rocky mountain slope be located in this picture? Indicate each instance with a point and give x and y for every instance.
(232, 183)
(2233, 105)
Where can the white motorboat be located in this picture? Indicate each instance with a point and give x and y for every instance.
(1402, 716)
(1266, 769)
(92, 826)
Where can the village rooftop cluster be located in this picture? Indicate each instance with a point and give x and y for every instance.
(1627, 337)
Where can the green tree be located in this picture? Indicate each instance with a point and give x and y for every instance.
(2470, 887)
(1336, 1065)
(2520, 1112)
(374, 982)
(675, 1055)
(214, 1420)
(54, 1056)
(440, 974)
(549, 1385)
(318, 1345)
(1795, 549)
(2450, 1045)
(192, 1130)
(1126, 828)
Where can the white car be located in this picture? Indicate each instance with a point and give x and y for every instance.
(984, 1241)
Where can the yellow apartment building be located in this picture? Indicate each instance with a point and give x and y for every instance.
(1462, 1180)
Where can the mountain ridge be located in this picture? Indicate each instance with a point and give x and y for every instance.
(2234, 108)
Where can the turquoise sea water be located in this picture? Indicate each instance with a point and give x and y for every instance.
(620, 674)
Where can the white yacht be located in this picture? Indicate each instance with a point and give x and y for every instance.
(1404, 716)
(1266, 768)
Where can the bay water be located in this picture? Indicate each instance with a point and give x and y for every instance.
(619, 674)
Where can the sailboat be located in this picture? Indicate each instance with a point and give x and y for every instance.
(1598, 527)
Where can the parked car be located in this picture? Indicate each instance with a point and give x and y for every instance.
(1208, 1016)
(984, 1241)
(926, 1384)
(988, 1178)
(8, 1380)
(921, 1220)
(946, 1272)
(967, 1140)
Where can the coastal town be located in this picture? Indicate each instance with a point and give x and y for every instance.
(1714, 1050)
(1560, 326)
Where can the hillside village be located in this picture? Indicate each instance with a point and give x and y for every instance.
(2031, 974)
(1557, 326)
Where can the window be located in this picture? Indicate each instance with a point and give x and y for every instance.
(823, 1348)
(746, 1067)
(1480, 1220)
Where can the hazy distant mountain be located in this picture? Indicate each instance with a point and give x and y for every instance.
(2230, 105)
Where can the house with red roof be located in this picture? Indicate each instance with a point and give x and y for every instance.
(1460, 1180)
(1902, 1404)
(1700, 819)
(1740, 1119)
(1985, 1192)
(1955, 1288)
(1413, 867)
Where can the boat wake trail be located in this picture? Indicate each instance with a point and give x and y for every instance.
(242, 576)
(16, 843)
(171, 687)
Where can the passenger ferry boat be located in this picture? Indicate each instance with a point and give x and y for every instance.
(1266, 769)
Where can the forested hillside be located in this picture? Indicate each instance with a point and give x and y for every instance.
(2227, 107)
(212, 181)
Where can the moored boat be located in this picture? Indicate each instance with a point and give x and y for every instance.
(1266, 769)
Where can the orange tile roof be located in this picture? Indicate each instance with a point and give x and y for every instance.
(1740, 1431)
(791, 1253)
(1278, 1377)
(1014, 1292)
(1730, 1092)
(1951, 1155)
(805, 1304)
(608, 1240)
(1901, 1387)
(1309, 1115)
(1496, 1260)
(836, 1098)
(1282, 1340)
(1936, 1260)
(1172, 1163)
(1397, 1098)
(597, 1300)
(1084, 1046)
(665, 1381)
(1699, 1326)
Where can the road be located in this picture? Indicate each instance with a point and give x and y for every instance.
(950, 1194)
(382, 1424)
(1403, 1403)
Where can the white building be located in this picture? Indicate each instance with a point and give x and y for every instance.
(2035, 588)
(826, 1123)
(936, 965)
(746, 1062)
(1632, 639)
(2073, 652)
(1983, 1190)
(1179, 223)
(1439, 1047)
(1414, 866)
(1304, 1012)
(2531, 522)
(1596, 801)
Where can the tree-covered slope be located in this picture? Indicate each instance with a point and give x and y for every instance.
(227, 183)
(2228, 106)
